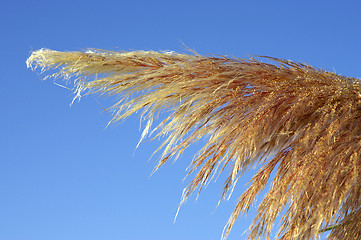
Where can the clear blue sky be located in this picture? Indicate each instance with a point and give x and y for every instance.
(64, 176)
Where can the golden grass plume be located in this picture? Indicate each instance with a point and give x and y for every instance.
(300, 122)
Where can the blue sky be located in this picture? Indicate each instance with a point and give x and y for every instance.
(64, 175)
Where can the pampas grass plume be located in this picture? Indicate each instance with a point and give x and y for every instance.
(297, 121)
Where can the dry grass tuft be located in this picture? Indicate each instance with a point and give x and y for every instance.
(301, 122)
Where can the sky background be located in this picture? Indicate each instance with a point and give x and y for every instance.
(65, 176)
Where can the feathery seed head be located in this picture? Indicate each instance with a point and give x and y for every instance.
(297, 121)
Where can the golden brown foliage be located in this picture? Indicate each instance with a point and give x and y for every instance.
(297, 121)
